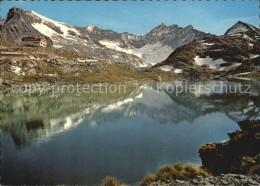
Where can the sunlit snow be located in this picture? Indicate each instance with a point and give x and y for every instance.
(44, 29)
(215, 64)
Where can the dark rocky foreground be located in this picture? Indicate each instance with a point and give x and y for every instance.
(240, 154)
(223, 179)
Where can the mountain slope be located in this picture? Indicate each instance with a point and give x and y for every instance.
(228, 54)
(45, 66)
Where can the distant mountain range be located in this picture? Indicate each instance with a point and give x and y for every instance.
(137, 51)
(171, 48)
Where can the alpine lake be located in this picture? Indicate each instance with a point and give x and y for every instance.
(80, 138)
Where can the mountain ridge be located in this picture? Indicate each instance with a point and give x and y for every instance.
(153, 46)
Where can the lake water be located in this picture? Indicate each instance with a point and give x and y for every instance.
(81, 138)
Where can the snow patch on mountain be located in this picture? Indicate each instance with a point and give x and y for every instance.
(252, 56)
(150, 53)
(214, 64)
(154, 53)
(44, 29)
(177, 70)
(208, 44)
(115, 46)
(166, 68)
(90, 28)
(16, 69)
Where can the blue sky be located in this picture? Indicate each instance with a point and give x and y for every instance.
(138, 17)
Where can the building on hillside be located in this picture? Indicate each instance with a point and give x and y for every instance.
(34, 41)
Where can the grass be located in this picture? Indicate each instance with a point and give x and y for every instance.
(248, 159)
(191, 172)
(176, 172)
(111, 181)
(148, 180)
(254, 170)
(208, 147)
(165, 173)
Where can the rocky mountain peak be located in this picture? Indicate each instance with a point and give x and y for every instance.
(91, 28)
(14, 14)
(240, 22)
(241, 27)
(189, 27)
(161, 26)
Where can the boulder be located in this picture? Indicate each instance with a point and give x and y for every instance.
(247, 124)
(31, 72)
(236, 154)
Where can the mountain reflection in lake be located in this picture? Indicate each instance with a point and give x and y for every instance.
(80, 139)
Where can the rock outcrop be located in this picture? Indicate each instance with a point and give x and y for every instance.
(239, 154)
(235, 161)
(14, 14)
(18, 25)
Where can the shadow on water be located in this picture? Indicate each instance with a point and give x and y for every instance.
(81, 138)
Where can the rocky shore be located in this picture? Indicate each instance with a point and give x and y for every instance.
(235, 161)
(223, 179)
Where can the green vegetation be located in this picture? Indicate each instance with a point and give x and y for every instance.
(111, 181)
(148, 180)
(176, 172)
(165, 173)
